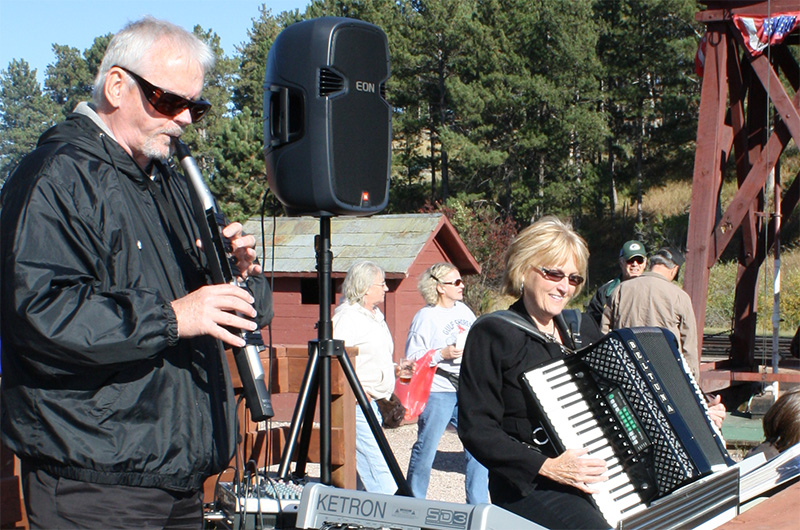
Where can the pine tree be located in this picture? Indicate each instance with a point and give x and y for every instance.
(68, 81)
(24, 114)
(201, 136)
(248, 86)
(647, 49)
(240, 178)
(94, 55)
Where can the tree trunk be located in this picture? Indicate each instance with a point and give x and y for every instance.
(612, 191)
(442, 118)
(433, 165)
(639, 183)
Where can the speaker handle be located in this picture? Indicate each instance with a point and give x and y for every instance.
(284, 114)
(281, 117)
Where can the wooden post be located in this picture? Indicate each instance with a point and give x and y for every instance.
(741, 97)
(12, 507)
(264, 442)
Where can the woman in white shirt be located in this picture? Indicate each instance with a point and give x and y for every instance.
(441, 325)
(359, 323)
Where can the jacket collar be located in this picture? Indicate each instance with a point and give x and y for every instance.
(87, 109)
(85, 130)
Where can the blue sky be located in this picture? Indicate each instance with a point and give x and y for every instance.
(29, 28)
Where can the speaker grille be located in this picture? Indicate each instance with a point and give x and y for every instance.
(329, 82)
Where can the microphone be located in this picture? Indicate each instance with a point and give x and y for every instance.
(248, 362)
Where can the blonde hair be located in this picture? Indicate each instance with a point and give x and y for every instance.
(547, 242)
(360, 277)
(430, 279)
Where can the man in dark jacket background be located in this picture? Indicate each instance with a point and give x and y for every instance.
(115, 391)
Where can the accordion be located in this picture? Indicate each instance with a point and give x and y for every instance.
(630, 399)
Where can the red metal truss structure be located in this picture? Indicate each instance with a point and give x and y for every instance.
(747, 118)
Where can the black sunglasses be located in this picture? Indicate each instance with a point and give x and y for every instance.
(166, 102)
(557, 276)
(636, 259)
(457, 283)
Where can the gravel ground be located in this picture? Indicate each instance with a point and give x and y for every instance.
(447, 476)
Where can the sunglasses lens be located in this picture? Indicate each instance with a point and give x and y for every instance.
(458, 283)
(172, 105)
(199, 109)
(553, 276)
(557, 276)
(575, 280)
(167, 103)
(636, 259)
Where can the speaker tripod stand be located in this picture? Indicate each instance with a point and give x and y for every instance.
(317, 382)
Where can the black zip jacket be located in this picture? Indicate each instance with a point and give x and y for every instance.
(96, 384)
(494, 412)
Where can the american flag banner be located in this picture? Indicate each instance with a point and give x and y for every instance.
(700, 56)
(759, 32)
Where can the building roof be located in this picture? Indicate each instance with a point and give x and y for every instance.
(392, 241)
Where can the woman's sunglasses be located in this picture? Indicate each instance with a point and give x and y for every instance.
(555, 275)
(457, 283)
(166, 102)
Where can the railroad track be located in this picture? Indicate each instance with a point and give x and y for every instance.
(720, 346)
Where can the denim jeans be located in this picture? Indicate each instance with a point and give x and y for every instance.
(373, 471)
(441, 410)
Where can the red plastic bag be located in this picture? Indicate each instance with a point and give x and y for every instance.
(414, 394)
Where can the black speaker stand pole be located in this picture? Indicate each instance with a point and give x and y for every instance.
(317, 382)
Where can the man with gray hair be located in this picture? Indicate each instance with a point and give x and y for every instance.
(116, 395)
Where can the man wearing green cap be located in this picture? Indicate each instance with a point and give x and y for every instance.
(632, 261)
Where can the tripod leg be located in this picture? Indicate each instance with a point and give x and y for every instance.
(377, 432)
(305, 443)
(303, 412)
(325, 474)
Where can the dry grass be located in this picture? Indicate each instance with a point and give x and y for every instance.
(722, 285)
(666, 210)
(668, 201)
(674, 200)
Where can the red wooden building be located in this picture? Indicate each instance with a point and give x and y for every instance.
(404, 245)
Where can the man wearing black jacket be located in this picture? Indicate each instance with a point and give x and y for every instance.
(115, 392)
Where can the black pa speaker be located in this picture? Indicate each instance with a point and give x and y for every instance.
(327, 124)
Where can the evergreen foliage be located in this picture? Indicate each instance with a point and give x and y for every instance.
(68, 81)
(504, 111)
(544, 107)
(25, 112)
